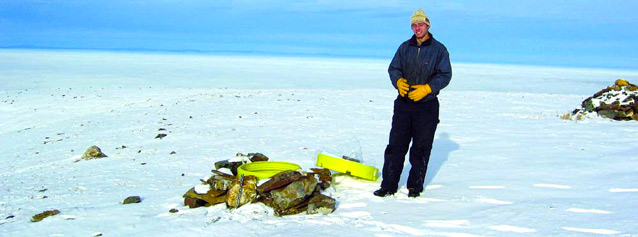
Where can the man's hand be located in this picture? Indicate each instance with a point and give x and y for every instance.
(419, 92)
(402, 85)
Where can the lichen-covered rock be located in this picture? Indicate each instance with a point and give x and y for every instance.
(293, 194)
(279, 180)
(241, 193)
(132, 199)
(321, 204)
(93, 152)
(45, 214)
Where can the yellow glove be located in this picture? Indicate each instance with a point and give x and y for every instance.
(419, 92)
(402, 85)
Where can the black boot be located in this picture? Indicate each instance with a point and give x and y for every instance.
(413, 193)
(382, 192)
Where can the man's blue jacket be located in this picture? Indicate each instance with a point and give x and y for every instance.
(428, 63)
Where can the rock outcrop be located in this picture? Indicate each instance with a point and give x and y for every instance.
(618, 102)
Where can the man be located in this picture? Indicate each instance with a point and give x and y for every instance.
(419, 70)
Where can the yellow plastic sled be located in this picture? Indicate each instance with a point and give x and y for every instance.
(347, 167)
(265, 169)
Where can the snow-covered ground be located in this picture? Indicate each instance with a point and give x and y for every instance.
(503, 162)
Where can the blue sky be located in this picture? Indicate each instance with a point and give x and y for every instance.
(575, 33)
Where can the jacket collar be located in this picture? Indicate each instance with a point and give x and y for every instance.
(427, 42)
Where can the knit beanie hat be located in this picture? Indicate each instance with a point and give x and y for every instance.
(419, 16)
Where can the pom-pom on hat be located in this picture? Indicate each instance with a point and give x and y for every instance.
(419, 16)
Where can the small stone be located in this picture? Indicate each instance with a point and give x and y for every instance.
(93, 152)
(173, 153)
(173, 210)
(132, 199)
(160, 136)
(45, 214)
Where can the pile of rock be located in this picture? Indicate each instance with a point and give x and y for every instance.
(288, 192)
(618, 102)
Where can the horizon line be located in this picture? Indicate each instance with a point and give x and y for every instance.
(281, 54)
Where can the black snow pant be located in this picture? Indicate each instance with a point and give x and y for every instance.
(416, 122)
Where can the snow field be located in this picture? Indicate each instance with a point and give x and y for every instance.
(503, 163)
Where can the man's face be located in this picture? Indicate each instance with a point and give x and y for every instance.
(420, 29)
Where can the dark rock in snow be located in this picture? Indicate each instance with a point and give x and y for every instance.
(173, 210)
(160, 136)
(132, 199)
(45, 214)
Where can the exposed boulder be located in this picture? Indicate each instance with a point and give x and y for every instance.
(618, 102)
(93, 152)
